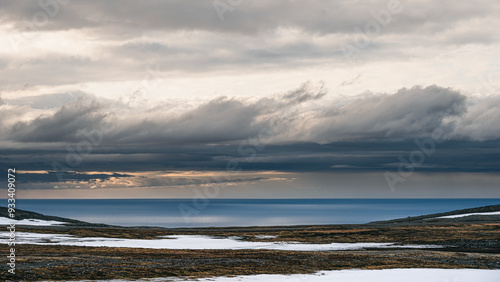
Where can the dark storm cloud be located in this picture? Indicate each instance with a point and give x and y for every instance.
(357, 156)
(409, 113)
(368, 133)
(84, 114)
(219, 120)
(69, 176)
(449, 156)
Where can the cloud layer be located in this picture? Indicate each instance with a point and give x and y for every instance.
(299, 130)
(97, 42)
(117, 93)
(301, 115)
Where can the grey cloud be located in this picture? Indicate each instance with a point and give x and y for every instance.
(68, 176)
(221, 52)
(352, 156)
(219, 120)
(28, 73)
(248, 17)
(83, 180)
(409, 113)
(249, 38)
(65, 125)
(366, 134)
(205, 55)
(183, 181)
(45, 101)
(350, 82)
(481, 122)
(304, 93)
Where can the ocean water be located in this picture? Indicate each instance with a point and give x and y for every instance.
(242, 212)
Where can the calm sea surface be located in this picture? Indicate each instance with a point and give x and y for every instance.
(238, 212)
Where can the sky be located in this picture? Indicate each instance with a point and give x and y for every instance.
(251, 99)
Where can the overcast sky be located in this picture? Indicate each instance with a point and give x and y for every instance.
(251, 99)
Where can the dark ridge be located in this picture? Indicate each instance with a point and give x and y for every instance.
(432, 218)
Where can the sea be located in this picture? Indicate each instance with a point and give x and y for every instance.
(242, 212)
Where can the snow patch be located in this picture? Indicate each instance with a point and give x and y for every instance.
(356, 275)
(266, 236)
(469, 214)
(190, 242)
(32, 222)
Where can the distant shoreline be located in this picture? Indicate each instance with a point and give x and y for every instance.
(182, 213)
